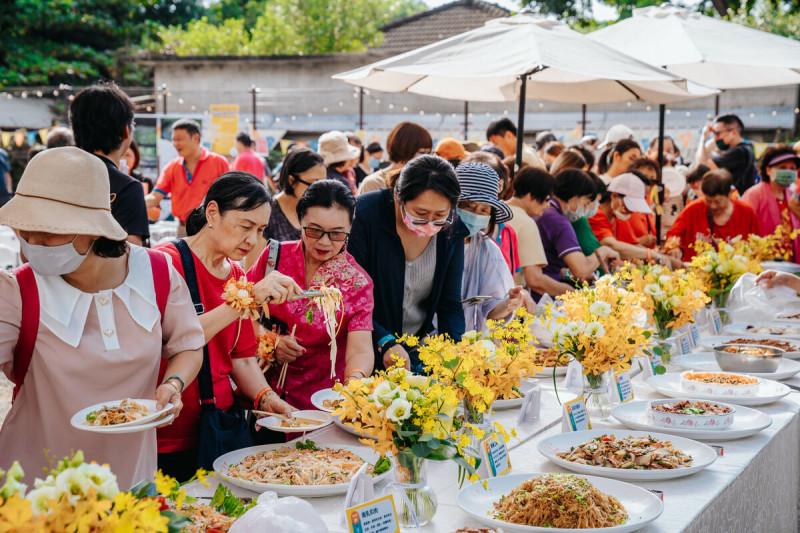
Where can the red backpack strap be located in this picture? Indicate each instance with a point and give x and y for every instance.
(28, 327)
(158, 262)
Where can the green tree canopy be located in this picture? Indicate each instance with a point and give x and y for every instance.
(49, 42)
(284, 27)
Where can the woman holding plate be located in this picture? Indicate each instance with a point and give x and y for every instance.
(86, 321)
(319, 260)
(221, 232)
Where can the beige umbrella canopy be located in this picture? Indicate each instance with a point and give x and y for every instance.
(714, 52)
(545, 59)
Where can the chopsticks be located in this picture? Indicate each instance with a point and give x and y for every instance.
(285, 367)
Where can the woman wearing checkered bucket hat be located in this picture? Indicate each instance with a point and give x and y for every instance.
(487, 288)
(87, 320)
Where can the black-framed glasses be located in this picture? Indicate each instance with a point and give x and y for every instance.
(301, 180)
(316, 233)
(422, 221)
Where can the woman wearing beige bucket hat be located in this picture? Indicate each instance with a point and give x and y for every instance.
(87, 320)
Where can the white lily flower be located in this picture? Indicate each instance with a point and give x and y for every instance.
(41, 497)
(600, 308)
(73, 484)
(594, 330)
(384, 393)
(101, 479)
(652, 289)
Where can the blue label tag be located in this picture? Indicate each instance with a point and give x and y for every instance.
(575, 416)
(376, 516)
(685, 344)
(694, 331)
(624, 388)
(495, 453)
(716, 321)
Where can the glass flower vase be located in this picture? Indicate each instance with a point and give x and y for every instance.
(719, 302)
(414, 499)
(595, 395)
(663, 340)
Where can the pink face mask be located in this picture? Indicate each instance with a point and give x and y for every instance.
(420, 230)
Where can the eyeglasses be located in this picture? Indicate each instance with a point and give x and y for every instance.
(718, 133)
(422, 221)
(316, 233)
(301, 180)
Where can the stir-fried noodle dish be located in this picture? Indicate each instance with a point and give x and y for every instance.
(126, 411)
(560, 501)
(287, 466)
(329, 303)
(637, 453)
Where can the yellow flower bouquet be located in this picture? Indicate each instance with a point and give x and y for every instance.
(671, 298)
(83, 497)
(603, 328)
(719, 268)
(483, 368)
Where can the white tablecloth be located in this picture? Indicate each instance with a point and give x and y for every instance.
(753, 487)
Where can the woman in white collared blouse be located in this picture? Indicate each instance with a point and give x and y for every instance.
(101, 331)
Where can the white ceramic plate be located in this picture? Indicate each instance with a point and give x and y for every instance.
(320, 396)
(706, 362)
(304, 491)
(740, 328)
(746, 422)
(349, 429)
(274, 423)
(641, 505)
(78, 419)
(702, 455)
(708, 343)
(670, 385)
(525, 387)
(118, 430)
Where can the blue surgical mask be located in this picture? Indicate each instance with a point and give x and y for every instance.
(374, 164)
(473, 221)
(592, 211)
(574, 216)
(785, 177)
(52, 260)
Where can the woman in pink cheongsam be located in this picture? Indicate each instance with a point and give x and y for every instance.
(325, 212)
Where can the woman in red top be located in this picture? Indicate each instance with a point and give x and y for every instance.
(714, 217)
(222, 231)
(325, 212)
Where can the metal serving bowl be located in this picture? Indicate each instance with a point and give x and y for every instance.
(742, 362)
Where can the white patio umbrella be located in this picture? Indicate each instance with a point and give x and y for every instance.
(714, 52)
(520, 57)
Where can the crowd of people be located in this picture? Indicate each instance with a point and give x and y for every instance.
(435, 239)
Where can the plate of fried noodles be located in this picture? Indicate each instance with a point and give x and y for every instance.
(560, 502)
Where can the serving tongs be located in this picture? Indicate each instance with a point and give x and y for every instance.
(306, 294)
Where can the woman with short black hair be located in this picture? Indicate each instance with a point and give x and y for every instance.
(318, 259)
(411, 243)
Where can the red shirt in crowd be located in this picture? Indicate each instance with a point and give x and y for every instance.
(222, 349)
(621, 230)
(692, 224)
(188, 190)
(248, 161)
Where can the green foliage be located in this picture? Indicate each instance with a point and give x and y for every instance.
(49, 42)
(284, 27)
(770, 18)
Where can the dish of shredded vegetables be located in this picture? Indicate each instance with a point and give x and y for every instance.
(206, 519)
(329, 303)
(560, 501)
(126, 411)
(636, 453)
(288, 466)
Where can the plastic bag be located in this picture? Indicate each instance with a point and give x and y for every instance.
(756, 303)
(280, 515)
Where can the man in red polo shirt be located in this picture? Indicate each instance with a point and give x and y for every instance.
(189, 176)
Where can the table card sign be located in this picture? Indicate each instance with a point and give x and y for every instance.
(574, 416)
(495, 459)
(622, 380)
(531, 405)
(376, 516)
(653, 361)
(573, 381)
(695, 334)
(717, 448)
(658, 493)
(361, 490)
(685, 343)
(716, 322)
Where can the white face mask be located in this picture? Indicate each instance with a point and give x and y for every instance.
(620, 215)
(576, 215)
(53, 260)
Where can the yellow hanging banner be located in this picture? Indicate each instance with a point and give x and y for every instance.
(224, 127)
(43, 134)
(759, 148)
(6, 135)
(285, 145)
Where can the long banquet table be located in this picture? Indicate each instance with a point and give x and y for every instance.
(752, 487)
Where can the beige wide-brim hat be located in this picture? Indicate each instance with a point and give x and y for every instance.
(63, 191)
(335, 148)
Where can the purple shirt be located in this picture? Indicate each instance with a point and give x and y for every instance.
(558, 239)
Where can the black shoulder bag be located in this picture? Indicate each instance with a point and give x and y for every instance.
(220, 432)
